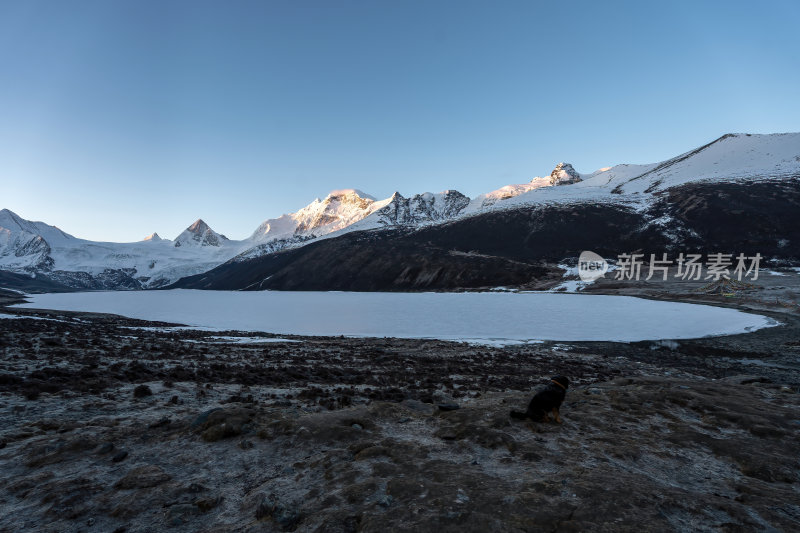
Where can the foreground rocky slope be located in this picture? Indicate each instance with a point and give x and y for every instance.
(112, 428)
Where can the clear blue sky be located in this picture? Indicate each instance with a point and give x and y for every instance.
(120, 118)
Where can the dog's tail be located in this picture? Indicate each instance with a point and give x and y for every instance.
(519, 415)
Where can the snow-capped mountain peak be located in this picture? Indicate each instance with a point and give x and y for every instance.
(421, 208)
(564, 174)
(350, 194)
(339, 209)
(734, 156)
(199, 234)
(198, 227)
(14, 223)
(36, 247)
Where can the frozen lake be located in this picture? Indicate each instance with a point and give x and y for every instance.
(498, 318)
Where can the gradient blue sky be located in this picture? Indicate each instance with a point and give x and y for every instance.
(120, 118)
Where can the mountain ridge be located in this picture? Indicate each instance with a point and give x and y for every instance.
(38, 248)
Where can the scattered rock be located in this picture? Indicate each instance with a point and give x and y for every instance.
(286, 517)
(371, 452)
(119, 456)
(745, 379)
(56, 451)
(160, 423)
(483, 436)
(179, 514)
(143, 477)
(141, 391)
(441, 397)
(225, 423)
(196, 487)
(202, 418)
(206, 504)
(238, 398)
(106, 447)
(418, 406)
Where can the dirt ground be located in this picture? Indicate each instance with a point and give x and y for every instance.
(112, 424)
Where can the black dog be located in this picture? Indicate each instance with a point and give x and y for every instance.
(546, 401)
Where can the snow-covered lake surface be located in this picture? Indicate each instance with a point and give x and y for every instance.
(491, 317)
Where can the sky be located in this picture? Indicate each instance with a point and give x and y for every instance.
(121, 118)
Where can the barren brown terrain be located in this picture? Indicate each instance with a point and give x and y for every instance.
(112, 424)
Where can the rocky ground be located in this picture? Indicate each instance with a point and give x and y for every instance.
(111, 424)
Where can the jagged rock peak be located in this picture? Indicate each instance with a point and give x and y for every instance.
(153, 237)
(422, 208)
(564, 174)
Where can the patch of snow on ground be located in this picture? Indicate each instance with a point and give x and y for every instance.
(774, 273)
(11, 317)
(497, 343)
(241, 340)
(447, 316)
(575, 285)
(12, 290)
(168, 329)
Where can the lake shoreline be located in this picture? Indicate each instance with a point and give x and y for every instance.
(494, 316)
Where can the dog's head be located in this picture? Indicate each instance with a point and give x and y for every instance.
(561, 380)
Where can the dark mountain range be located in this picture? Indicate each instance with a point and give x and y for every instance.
(514, 247)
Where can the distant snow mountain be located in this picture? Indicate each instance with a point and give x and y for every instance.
(735, 157)
(338, 210)
(488, 199)
(737, 194)
(199, 234)
(421, 208)
(564, 174)
(37, 248)
(24, 244)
